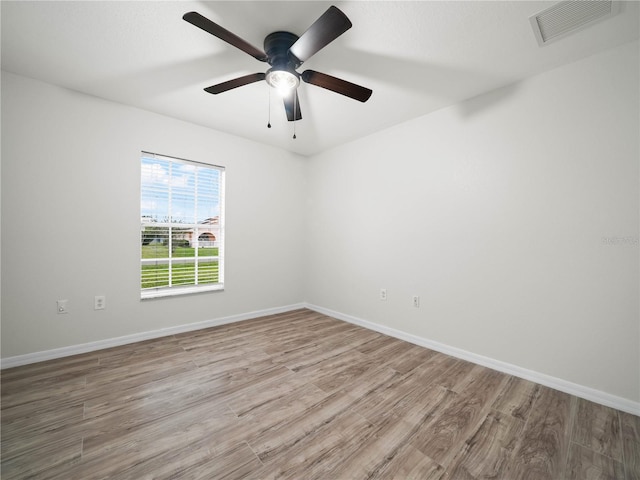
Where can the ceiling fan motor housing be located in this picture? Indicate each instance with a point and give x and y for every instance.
(276, 46)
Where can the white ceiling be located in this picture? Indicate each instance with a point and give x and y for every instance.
(416, 56)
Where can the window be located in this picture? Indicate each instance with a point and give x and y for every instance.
(181, 226)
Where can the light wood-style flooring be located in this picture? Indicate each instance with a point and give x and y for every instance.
(299, 395)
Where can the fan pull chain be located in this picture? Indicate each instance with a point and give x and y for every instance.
(269, 120)
(295, 109)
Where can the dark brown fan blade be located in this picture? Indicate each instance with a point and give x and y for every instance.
(325, 30)
(235, 83)
(216, 30)
(337, 85)
(292, 102)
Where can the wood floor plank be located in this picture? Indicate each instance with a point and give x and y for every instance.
(26, 375)
(475, 381)
(373, 453)
(544, 446)
(391, 350)
(410, 464)
(34, 462)
(323, 358)
(228, 357)
(184, 461)
(517, 398)
(15, 418)
(235, 463)
(211, 338)
(139, 373)
(394, 432)
(380, 402)
(127, 461)
(488, 452)
(377, 342)
(140, 353)
(317, 453)
(343, 377)
(598, 427)
(398, 395)
(631, 444)
(250, 399)
(291, 357)
(273, 409)
(268, 417)
(349, 335)
(584, 463)
(274, 441)
(230, 382)
(413, 357)
(298, 395)
(316, 371)
(294, 338)
(38, 429)
(159, 434)
(434, 370)
(442, 438)
(145, 407)
(44, 391)
(415, 412)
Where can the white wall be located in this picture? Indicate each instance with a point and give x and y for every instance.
(70, 219)
(514, 217)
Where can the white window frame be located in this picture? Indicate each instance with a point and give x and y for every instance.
(171, 260)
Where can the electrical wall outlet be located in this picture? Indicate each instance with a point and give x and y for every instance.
(383, 294)
(416, 301)
(99, 302)
(62, 306)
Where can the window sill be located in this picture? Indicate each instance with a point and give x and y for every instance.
(177, 291)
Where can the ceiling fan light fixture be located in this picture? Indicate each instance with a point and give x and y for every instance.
(283, 81)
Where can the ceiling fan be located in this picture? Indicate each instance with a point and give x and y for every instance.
(285, 52)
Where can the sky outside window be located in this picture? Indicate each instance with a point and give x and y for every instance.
(169, 191)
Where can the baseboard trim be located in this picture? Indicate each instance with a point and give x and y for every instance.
(26, 359)
(581, 391)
